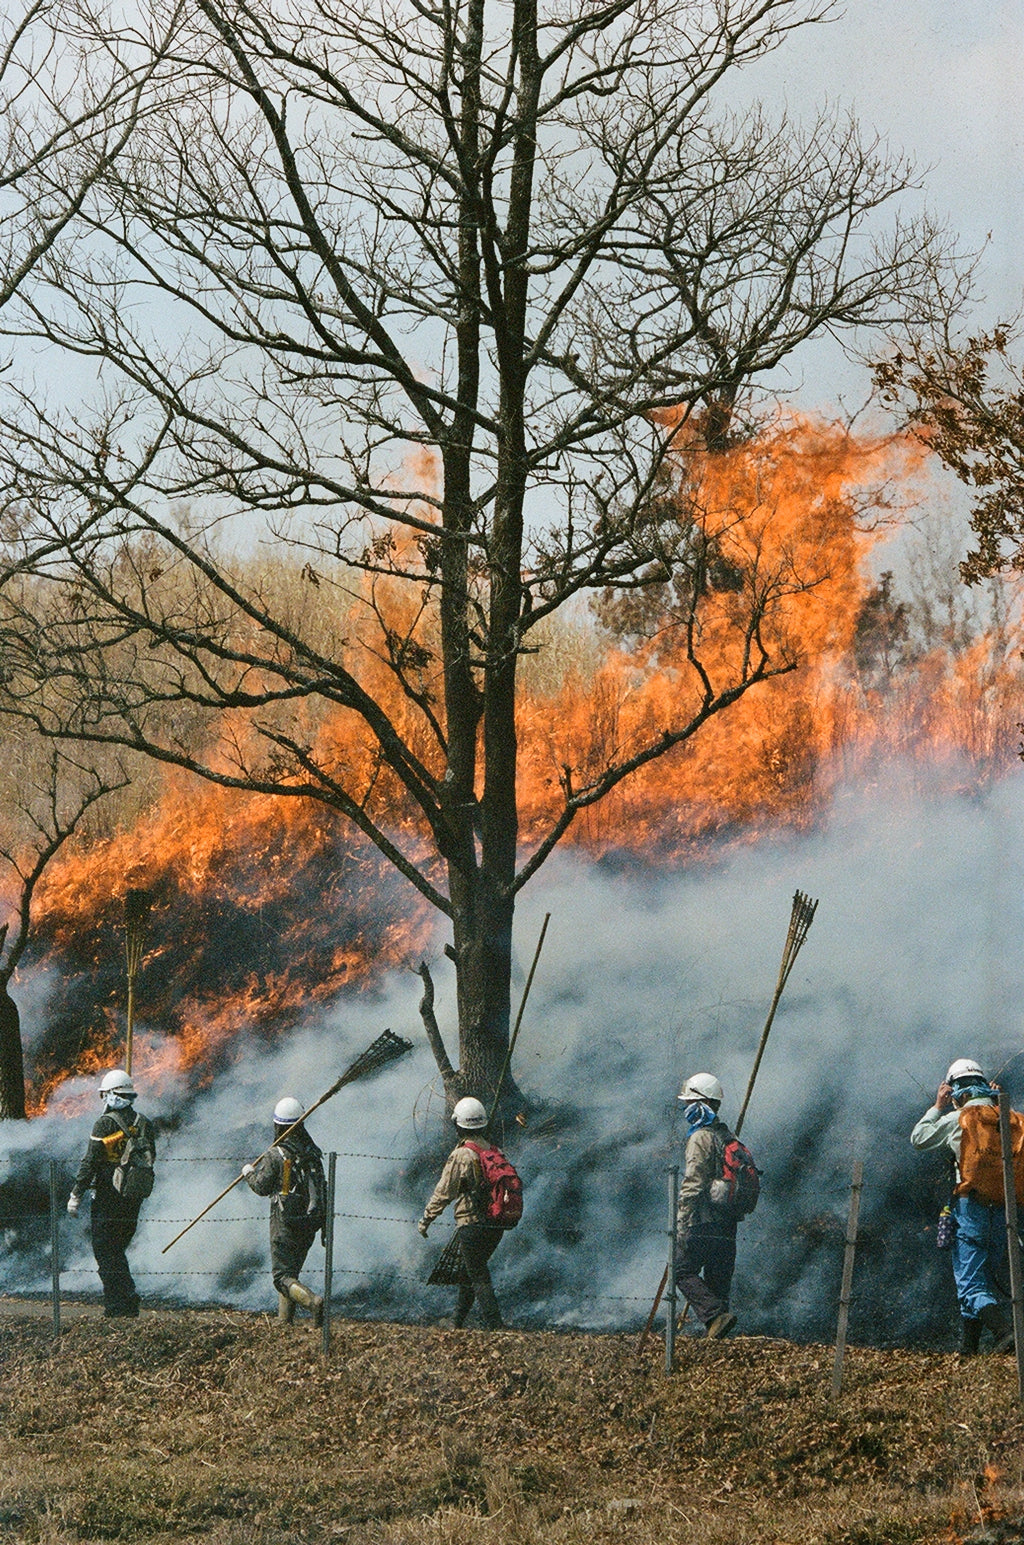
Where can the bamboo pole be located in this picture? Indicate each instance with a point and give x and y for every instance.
(384, 1049)
(847, 1282)
(800, 920)
(519, 1019)
(1012, 1237)
(136, 914)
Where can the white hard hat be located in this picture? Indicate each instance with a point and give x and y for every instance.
(287, 1112)
(964, 1067)
(701, 1086)
(118, 1082)
(469, 1114)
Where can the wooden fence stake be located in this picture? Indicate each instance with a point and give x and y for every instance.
(670, 1296)
(55, 1211)
(1012, 1238)
(332, 1170)
(847, 1284)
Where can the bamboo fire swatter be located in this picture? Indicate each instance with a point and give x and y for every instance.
(383, 1050)
(450, 1269)
(800, 920)
(136, 916)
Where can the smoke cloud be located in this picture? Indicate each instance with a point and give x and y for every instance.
(913, 959)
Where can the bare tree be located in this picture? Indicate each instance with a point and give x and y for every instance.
(45, 796)
(456, 300)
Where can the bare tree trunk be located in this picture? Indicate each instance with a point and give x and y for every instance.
(12, 1064)
(483, 949)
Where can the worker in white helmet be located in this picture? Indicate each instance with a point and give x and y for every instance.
(117, 1168)
(479, 1234)
(705, 1231)
(961, 1123)
(291, 1173)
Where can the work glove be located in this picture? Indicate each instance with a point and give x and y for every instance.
(73, 1205)
(422, 1227)
(247, 1170)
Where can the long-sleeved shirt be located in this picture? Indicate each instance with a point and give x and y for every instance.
(703, 1148)
(461, 1181)
(941, 1129)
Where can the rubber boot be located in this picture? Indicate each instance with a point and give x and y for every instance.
(285, 1309)
(463, 1305)
(970, 1337)
(489, 1311)
(721, 1325)
(994, 1319)
(311, 1301)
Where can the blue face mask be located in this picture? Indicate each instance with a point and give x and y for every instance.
(977, 1090)
(697, 1115)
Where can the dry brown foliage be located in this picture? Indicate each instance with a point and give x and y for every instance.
(231, 1428)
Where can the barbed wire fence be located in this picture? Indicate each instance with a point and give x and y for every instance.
(834, 1244)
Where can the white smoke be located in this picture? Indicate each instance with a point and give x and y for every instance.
(913, 959)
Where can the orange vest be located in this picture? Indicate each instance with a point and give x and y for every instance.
(981, 1155)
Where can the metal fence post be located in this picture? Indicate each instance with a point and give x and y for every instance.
(1012, 1237)
(670, 1295)
(332, 1166)
(847, 1285)
(54, 1249)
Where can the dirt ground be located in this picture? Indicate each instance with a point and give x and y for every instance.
(236, 1430)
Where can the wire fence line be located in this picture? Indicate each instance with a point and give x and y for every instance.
(820, 1238)
(824, 1241)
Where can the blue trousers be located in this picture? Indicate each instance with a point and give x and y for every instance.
(979, 1246)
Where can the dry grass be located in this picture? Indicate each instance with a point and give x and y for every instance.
(231, 1429)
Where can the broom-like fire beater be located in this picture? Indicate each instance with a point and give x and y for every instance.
(800, 919)
(384, 1050)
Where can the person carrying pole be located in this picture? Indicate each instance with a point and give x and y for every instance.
(118, 1168)
(719, 1187)
(291, 1173)
(964, 1123)
(480, 1222)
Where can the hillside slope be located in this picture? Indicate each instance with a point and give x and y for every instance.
(230, 1428)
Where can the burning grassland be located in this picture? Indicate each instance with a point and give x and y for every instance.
(265, 907)
(227, 1427)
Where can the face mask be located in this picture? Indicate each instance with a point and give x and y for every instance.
(119, 1101)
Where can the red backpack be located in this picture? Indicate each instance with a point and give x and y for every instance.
(738, 1184)
(502, 1188)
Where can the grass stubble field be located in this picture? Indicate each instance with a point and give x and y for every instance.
(230, 1428)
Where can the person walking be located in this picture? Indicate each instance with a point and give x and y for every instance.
(118, 1168)
(705, 1243)
(462, 1182)
(291, 1173)
(955, 1125)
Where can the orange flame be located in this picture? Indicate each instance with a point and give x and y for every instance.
(253, 893)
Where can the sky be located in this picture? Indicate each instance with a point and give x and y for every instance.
(939, 80)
